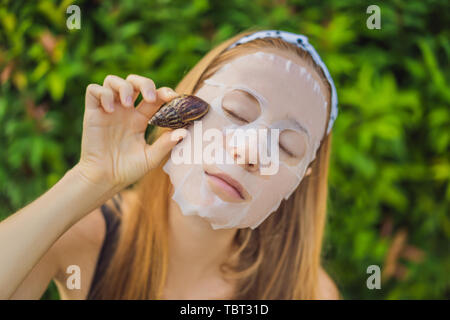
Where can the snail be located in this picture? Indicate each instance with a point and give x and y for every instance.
(180, 111)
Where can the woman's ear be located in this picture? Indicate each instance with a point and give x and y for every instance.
(308, 172)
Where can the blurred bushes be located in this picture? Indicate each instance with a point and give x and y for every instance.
(389, 178)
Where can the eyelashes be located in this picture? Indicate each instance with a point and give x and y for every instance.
(234, 115)
(239, 120)
(290, 154)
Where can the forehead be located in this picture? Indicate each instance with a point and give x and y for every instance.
(290, 89)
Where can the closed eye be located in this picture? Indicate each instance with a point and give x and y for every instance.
(234, 115)
(287, 151)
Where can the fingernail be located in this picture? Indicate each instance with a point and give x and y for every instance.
(129, 101)
(180, 139)
(173, 93)
(179, 134)
(151, 95)
(111, 107)
(183, 133)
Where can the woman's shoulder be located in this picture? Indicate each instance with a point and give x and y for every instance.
(327, 289)
(86, 235)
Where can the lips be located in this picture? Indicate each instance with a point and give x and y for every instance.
(231, 182)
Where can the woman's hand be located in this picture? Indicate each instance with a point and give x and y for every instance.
(113, 148)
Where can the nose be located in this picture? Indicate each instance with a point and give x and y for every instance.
(244, 152)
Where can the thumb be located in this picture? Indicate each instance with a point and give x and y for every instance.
(161, 147)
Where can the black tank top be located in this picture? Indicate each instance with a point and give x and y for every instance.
(112, 233)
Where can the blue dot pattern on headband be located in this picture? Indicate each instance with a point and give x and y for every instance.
(300, 41)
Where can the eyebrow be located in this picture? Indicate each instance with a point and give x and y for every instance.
(251, 96)
(247, 91)
(300, 127)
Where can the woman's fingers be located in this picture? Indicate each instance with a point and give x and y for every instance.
(163, 95)
(99, 97)
(126, 91)
(156, 152)
(124, 88)
(145, 85)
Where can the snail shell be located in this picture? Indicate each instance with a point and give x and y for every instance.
(180, 111)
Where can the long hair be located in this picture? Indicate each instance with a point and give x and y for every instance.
(280, 259)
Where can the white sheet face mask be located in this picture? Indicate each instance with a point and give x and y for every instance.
(268, 91)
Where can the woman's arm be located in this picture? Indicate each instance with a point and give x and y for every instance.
(28, 234)
(114, 154)
(82, 241)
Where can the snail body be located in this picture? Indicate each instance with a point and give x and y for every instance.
(180, 111)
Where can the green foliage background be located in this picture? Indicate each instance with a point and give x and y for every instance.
(389, 175)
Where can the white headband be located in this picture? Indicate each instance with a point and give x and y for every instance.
(302, 42)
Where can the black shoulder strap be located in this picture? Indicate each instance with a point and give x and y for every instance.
(112, 221)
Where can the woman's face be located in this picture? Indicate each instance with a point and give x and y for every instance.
(263, 92)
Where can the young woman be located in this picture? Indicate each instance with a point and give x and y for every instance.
(257, 237)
